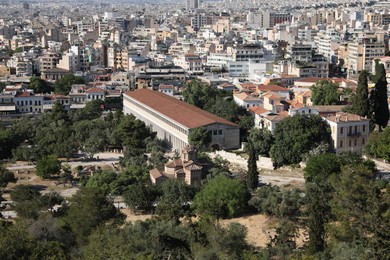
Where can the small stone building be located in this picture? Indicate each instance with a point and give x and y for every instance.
(186, 168)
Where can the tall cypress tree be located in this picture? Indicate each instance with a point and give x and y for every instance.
(252, 177)
(381, 106)
(360, 105)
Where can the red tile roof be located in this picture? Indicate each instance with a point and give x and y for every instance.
(23, 94)
(346, 117)
(266, 88)
(179, 111)
(94, 90)
(258, 110)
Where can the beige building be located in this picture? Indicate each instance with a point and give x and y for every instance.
(349, 132)
(361, 53)
(118, 58)
(173, 120)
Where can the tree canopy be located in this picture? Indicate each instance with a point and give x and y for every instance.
(221, 197)
(40, 86)
(6, 177)
(199, 137)
(379, 97)
(325, 92)
(360, 101)
(48, 166)
(296, 136)
(64, 85)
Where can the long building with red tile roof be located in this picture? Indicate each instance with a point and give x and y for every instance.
(173, 120)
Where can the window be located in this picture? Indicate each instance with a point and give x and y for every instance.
(350, 143)
(220, 132)
(364, 129)
(341, 143)
(355, 142)
(363, 141)
(215, 132)
(342, 130)
(356, 129)
(350, 130)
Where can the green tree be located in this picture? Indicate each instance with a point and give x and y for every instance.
(262, 141)
(27, 201)
(174, 201)
(88, 209)
(270, 200)
(378, 144)
(351, 202)
(48, 166)
(360, 102)
(284, 240)
(140, 198)
(92, 110)
(58, 113)
(319, 192)
(102, 180)
(39, 85)
(221, 197)
(133, 133)
(49, 200)
(64, 85)
(252, 176)
(296, 136)
(379, 97)
(325, 93)
(199, 137)
(6, 177)
(8, 141)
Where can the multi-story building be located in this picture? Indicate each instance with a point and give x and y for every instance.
(192, 64)
(48, 60)
(301, 52)
(267, 19)
(192, 4)
(27, 102)
(247, 52)
(362, 52)
(173, 120)
(23, 65)
(118, 58)
(349, 132)
(198, 21)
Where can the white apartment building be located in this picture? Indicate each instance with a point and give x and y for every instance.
(220, 60)
(27, 102)
(362, 52)
(247, 100)
(191, 63)
(349, 132)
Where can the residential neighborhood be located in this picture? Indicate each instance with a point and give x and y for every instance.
(194, 129)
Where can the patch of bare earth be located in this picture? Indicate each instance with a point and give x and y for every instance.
(28, 177)
(131, 217)
(261, 229)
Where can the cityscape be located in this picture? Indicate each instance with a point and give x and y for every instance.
(194, 129)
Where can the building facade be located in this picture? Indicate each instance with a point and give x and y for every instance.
(349, 132)
(173, 120)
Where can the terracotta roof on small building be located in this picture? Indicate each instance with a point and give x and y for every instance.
(258, 110)
(346, 117)
(94, 90)
(266, 88)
